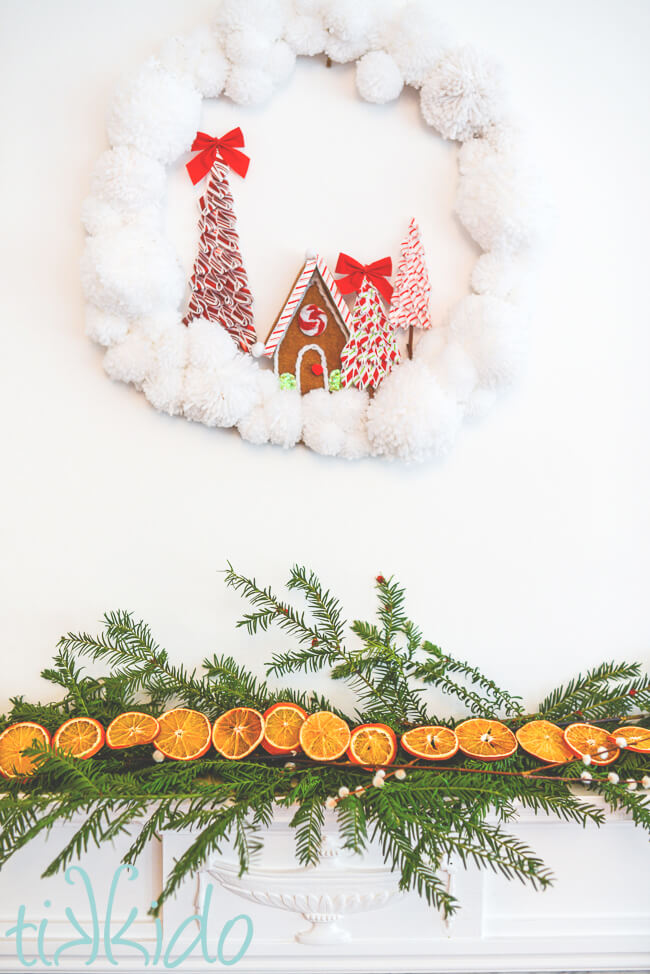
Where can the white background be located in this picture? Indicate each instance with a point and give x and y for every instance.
(526, 551)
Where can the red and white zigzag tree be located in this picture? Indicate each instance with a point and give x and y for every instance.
(371, 350)
(219, 284)
(410, 304)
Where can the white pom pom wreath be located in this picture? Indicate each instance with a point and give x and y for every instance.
(462, 95)
(156, 112)
(133, 280)
(378, 78)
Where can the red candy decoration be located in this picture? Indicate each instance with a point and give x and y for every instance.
(317, 368)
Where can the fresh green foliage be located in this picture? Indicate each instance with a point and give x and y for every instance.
(457, 810)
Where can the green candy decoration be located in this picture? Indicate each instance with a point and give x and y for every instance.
(335, 380)
(287, 381)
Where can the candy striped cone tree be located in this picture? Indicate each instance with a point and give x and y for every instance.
(371, 350)
(410, 305)
(219, 284)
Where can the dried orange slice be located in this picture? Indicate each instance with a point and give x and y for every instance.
(13, 740)
(324, 736)
(638, 738)
(131, 729)
(238, 732)
(372, 744)
(184, 734)
(282, 723)
(80, 736)
(594, 741)
(485, 740)
(430, 742)
(545, 741)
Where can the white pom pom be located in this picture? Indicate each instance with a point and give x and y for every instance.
(221, 396)
(131, 360)
(498, 200)
(257, 351)
(103, 328)
(495, 274)
(378, 78)
(334, 424)
(131, 271)
(491, 333)
(613, 778)
(127, 179)
(306, 35)
(452, 368)
(621, 742)
(267, 16)
(416, 41)
(330, 802)
(199, 56)
(280, 62)
(462, 95)
(586, 776)
(158, 756)
(343, 791)
(310, 253)
(586, 759)
(210, 346)
(349, 28)
(249, 85)
(156, 112)
(481, 401)
(247, 47)
(410, 416)
(400, 774)
(99, 217)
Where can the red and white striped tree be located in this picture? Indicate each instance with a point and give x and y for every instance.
(371, 350)
(219, 284)
(410, 305)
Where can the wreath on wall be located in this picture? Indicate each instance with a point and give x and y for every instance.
(370, 375)
(109, 757)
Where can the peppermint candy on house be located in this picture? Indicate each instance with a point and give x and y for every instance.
(313, 320)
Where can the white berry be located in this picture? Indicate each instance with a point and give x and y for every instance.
(586, 776)
(645, 781)
(621, 742)
(631, 784)
(381, 773)
(378, 781)
(400, 774)
(586, 759)
(613, 777)
(158, 756)
(343, 792)
(330, 802)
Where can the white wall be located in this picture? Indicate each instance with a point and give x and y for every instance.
(526, 551)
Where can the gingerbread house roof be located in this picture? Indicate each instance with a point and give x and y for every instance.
(314, 266)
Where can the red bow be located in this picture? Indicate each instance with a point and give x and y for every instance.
(226, 147)
(377, 272)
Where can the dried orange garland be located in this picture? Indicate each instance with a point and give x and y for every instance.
(285, 728)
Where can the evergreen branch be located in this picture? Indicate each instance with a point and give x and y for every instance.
(590, 692)
(495, 700)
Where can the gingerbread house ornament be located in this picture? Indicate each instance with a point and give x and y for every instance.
(310, 332)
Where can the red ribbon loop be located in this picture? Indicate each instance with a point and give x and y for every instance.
(208, 148)
(376, 273)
